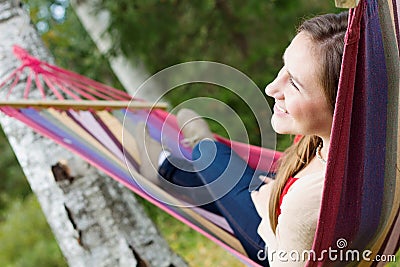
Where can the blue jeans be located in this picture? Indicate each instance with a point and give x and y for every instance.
(236, 205)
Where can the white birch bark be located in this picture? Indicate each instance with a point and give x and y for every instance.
(130, 74)
(95, 220)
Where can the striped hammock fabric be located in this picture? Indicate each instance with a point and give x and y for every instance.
(361, 198)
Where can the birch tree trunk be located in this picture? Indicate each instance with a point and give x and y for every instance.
(95, 220)
(130, 74)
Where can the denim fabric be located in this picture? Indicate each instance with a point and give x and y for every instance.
(236, 205)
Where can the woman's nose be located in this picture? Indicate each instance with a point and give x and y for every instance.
(275, 88)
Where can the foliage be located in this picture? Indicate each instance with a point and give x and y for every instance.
(25, 239)
(397, 261)
(196, 249)
(240, 34)
(12, 180)
(164, 33)
(70, 44)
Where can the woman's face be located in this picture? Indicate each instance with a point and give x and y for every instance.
(300, 103)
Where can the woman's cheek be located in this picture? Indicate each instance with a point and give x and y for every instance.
(293, 107)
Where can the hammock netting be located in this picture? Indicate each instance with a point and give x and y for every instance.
(361, 196)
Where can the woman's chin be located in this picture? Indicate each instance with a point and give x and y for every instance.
(281, 131)
(279, 126)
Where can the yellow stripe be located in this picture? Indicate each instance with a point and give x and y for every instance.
(346, 3)
(122, 135)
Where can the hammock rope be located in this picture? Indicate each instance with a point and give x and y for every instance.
(96, 135)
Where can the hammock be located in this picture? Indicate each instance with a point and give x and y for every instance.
(361, 198)
(95, 130)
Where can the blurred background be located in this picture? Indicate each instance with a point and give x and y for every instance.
(247, 35)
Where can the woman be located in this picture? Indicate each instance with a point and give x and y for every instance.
(282, 214)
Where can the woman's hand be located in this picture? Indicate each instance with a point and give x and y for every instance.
(265, 179)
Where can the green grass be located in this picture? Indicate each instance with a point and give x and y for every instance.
(25, 237)
(192, 246)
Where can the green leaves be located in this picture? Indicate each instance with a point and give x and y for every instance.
(25, 239)
(250, 36)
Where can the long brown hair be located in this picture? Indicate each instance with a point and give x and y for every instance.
(327, 32)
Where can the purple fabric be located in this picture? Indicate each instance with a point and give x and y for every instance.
(164, 129)
(339, 147)
(91, 125)
(353, 190)
(376, 124)
(129, 157)
(362, 194)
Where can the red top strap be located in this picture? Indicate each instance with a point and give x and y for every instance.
(288, 184)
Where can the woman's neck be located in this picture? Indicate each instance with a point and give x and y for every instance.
(325, 147)
(316, 165)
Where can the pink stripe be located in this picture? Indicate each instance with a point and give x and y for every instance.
(256, 157)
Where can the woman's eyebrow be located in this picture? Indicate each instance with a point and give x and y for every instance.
(290, 74)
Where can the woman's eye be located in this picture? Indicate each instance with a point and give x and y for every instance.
(292, 83)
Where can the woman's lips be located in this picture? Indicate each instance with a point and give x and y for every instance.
(279, 109)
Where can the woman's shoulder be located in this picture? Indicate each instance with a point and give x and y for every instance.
(317, 175)
(308, 186)
(305, 193)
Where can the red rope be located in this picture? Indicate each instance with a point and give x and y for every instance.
(58, 81)
(52, 88)
(71, 76)
(39, 85)
(16, 80)
(65, 89)
(28, 85)
(76, 89)
(9, 78)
